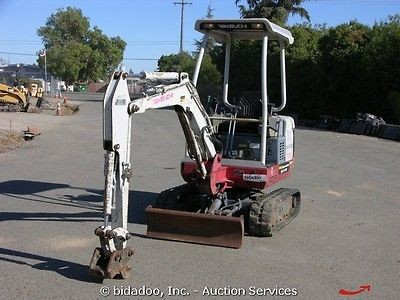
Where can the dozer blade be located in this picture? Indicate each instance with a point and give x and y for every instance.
(195, 228)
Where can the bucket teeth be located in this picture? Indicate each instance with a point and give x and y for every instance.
(195, 228)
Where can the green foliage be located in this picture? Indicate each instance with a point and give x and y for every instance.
(382, 66)
(181, 62)
(303, 72)
(337, 71)
(277, 11)
(209, 78)
(344, 41)
(306, 39)
(64, 26)
(184, 62)
(69, 61)
(74, 51)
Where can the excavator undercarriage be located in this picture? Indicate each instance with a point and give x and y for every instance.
(181, 214)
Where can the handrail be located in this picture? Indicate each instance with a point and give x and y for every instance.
(228, 43)
(264, 92)
(283, 78)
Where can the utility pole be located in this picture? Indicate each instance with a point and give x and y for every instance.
(43, 53)
(45, 71)
(182, 4)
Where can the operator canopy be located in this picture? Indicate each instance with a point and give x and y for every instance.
(244, 29)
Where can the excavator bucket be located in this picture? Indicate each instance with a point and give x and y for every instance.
(195, 228)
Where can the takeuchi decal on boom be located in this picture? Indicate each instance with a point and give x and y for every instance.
(162, 98)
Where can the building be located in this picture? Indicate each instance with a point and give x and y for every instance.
(24, 71)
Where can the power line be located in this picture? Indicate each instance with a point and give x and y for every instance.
(129, 43)
(28, 54)
(16, 53)
(182, 4)
(160, 43)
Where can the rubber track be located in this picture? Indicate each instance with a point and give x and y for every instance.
(9, 107)
(261, 208)
(169, 198)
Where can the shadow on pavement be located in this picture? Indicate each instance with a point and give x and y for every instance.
(26, 187)
(67, 269)
(31, 191)
(138, 201)
(63, 217)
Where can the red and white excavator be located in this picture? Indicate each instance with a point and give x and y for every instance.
(231, 157)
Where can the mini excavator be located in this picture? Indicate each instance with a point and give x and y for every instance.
(231, 157)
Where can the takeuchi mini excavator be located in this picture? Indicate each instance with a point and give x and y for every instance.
(231, 156)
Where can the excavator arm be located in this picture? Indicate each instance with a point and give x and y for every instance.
(110, 261)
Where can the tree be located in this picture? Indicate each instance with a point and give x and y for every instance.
(68, 62)
(382, 66)
(341, 63)
(303, 72)
(276, 11)
(184, 62)
(345, 69)
(181, 62)
(209, 78)
(74, 51)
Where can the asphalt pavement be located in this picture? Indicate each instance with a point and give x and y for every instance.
(346, 236)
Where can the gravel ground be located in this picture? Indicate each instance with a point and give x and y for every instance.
(10, 140)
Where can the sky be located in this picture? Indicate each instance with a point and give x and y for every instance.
(151, 28)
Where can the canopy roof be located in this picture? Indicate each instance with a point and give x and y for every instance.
(243, 29)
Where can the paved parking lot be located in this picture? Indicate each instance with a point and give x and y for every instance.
(347, 234)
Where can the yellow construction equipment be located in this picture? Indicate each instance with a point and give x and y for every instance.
(33, 90)
(11, 96)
